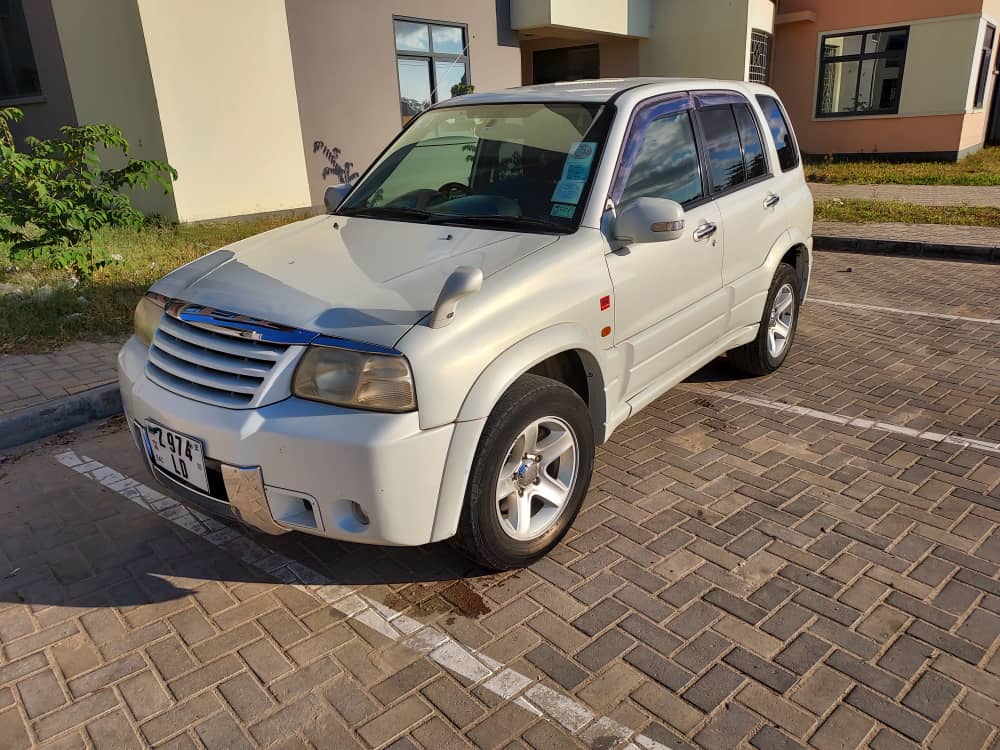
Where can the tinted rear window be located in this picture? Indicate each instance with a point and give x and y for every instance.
(753, 148)
(788, 152)
(722, 143)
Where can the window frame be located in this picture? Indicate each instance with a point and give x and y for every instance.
(717, 99)
(985, 68)
(7, 70)
(859, 58)
(643, 114)
(431, 56)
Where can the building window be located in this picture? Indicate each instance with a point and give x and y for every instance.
(431, 58)
(984, 65)
(18, 73)
(861, 73)
(760, 56)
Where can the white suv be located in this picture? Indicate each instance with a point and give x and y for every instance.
(515, 275)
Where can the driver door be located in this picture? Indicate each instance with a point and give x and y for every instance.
(669, 303)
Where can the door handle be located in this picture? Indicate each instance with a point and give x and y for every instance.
(704, 231)
(771, 200)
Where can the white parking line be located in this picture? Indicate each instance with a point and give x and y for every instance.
(920, 313)
(478, 668)
(859, 422)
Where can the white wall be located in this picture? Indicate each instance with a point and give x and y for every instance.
(225, 91)
(703, 38)
(110, 81)
(936, 83)
(622, 17)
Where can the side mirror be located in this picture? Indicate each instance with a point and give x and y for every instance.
(649, 220)
(335, 195)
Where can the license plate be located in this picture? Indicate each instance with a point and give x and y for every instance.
(180, 455)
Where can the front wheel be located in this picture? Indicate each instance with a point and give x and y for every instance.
(774, 338)
(530, 475)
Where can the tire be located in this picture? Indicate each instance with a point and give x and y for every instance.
(759, 357)
(489, 525)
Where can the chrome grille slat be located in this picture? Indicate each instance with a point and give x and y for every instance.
(220, 381)
(208, 358)
(195, 391)
(226, 371)
(231, 345)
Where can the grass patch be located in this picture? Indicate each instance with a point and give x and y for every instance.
(51, 310)
(981, 168)
(856, 211)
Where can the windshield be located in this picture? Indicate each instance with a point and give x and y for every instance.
(525, 166)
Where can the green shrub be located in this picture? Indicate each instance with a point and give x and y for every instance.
(55, 195)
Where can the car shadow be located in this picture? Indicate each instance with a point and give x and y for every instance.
(92, 547)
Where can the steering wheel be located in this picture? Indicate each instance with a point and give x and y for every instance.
(450, 188)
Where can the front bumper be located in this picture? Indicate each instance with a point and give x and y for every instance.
(299, 465)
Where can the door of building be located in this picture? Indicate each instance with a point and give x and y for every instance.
(993, 129)
(566, 64)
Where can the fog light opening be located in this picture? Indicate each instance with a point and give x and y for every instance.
(359, 515)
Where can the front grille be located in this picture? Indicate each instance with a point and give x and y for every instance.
(210, 367)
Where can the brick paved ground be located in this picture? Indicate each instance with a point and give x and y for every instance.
(740, 577)
(928, 195)
(935, 234)
(31, 379)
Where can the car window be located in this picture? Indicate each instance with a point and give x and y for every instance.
(433, 162)
(524, 165)
(722, 145)
(788, 152)
(666, 165)
(753, 149)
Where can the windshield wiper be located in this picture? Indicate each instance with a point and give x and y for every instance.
(389, 212)
(502, 222)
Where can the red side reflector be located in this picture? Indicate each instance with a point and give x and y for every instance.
(606, 331)
(606, 302)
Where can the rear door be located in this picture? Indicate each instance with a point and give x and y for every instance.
(669, 303)
(742, 181)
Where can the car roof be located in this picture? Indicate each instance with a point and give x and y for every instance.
(602, 90)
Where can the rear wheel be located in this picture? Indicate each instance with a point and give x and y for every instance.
(774, 338)
(530, 474)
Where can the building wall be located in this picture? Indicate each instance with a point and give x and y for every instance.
(345, 71)
(44, 115)
(619, 56)
(699, 38)
(618, 17)
(225, 90)
(942, 59)
(760, 15)
(110, 80)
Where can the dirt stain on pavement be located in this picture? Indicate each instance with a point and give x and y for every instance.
(452, 598)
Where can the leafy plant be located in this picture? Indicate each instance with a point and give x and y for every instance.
(55, 195)
(462, 88)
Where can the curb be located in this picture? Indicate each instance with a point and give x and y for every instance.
(47, 419)
(910, 249)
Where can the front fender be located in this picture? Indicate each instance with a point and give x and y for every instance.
(492, 383)
(500, 374)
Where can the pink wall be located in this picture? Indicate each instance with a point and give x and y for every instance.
(794, 74)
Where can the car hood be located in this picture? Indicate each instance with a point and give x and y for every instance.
(356, 278)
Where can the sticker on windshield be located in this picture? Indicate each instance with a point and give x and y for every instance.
(568, 191)
(562, 211)
(579, 160)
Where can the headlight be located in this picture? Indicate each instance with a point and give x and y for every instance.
(355, 379)
(147, 316)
